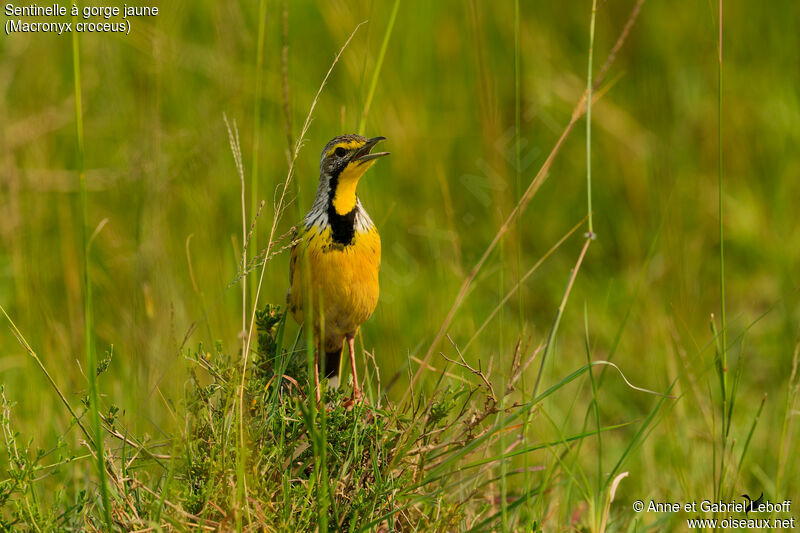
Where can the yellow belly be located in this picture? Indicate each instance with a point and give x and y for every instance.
(344, 282)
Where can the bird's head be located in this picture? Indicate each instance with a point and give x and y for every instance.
(344, 160)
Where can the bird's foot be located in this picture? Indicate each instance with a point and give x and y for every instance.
(357, 398)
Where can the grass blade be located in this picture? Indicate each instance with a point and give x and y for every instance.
(381, 54)
(88, 311)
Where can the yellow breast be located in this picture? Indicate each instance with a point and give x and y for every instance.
(343, 280)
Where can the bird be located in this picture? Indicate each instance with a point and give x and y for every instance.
(336, 256)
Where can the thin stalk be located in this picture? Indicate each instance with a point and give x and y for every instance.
(590, 235)
(241, 455)
(242, 451)
(285, 95)
(719, 190)
(723, 368)
(714, 449)
(518, 186)
(721, 213)
(18, 334)
(501, 441)
(589, 122)
(559, 313)
(381, 54)
(596, 409)
(518, 158)
(88, 311)
(262, 28)
(749, 438)
(589, 88)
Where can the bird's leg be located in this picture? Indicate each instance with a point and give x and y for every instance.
(351, 341)
(316, 375)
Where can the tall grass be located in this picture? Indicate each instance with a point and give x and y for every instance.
(590, 236)
(242, 451)
(88, 308)
(518, 194)
(721, 344)
(257, 100)
(378, 65)
(726, 399)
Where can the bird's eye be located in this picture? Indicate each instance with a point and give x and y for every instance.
(340, 152)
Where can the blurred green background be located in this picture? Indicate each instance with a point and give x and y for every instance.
(161, 174)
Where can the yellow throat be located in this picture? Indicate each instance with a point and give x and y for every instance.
(344, 198)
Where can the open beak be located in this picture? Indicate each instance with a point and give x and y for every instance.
(363, 154)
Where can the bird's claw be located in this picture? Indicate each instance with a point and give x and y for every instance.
(357, 398)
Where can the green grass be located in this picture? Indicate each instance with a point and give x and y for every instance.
(127, 230)
(98, 435)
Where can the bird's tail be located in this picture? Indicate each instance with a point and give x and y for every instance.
(332, 362)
